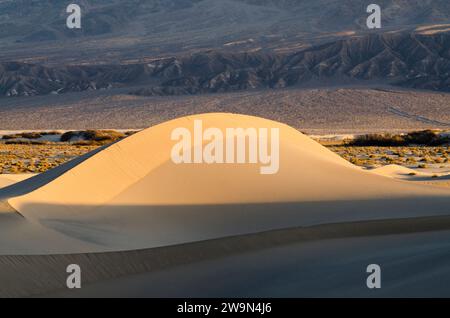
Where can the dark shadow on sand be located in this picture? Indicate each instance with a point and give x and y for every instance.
(274, 225)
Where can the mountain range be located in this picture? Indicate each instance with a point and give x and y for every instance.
(176, 47)
(413, 60)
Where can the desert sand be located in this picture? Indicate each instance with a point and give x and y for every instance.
(400, 172)
(9, 179)
(129, 205)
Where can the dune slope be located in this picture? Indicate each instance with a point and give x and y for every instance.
(131, 195)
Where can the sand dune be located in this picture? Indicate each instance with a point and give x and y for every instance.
(425, 177)
(396, 171)
(127, 209)
(131, 195)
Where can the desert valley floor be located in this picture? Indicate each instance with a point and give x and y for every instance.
(320, 111)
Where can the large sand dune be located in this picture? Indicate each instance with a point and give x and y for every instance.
(131, 196)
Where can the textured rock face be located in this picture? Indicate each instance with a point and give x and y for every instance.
(407, 59)
(243, 44)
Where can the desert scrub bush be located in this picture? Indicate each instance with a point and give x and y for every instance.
(424, 137)
(26, 142)
(30, 135)
(370, 163)
(381, 140)
(399, 162)
(356, 161)
(385, 158)
(13, 169)
(391, 161)
(95, 136)
(427, 159)
(84, 143)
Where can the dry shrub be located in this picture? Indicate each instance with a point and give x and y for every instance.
(92, 137)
